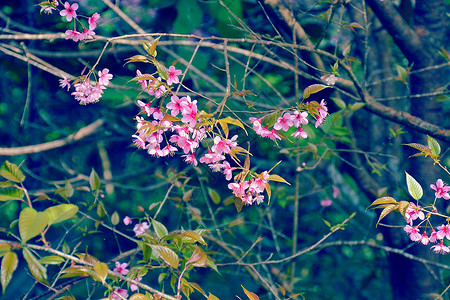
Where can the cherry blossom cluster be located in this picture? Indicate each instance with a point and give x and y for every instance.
(415, 212)
(85, 91)
(70, 13)
(287, 120)
(180, 126)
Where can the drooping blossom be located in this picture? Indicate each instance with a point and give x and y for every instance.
(441, 189)
(69, 11)
(300, 118)
(335, 192)
(424, 240)
(104, 77)
(413, 212)
(119, 294)
(173, 75)
(433, 236)
(413, 233)
(73, 35)
(86, 93)
(326, 202)
(121, 268)
(64, 82)
(322, 113)
(284, 122)
(440, 248)
(86, 34)
(190, 159)
(329, 79)
(93, 21)
(140, 228)
(300, 133)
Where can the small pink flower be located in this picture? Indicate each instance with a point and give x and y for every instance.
(127, 220)
(329, 79)
(424, 239)
(73, 35)
(173, 75)
(104, 77)
(441, 189)
(119, 294)
(284, 122)
(300, 133)
(413, 233)
(433, 236)
(134, 287)
(93, 21)
(440, 248)
(140, 228)
(443, 231)
(69, 11)
(190, 159)
(335, 192)
(121, 268)
(64, 82)
(300, 118)
(326, 202)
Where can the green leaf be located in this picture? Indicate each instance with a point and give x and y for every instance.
(312, 89)
(356, 106)
(194, 236)
(414, 188)
(9, 265)
(212, 297)
(383, 201)
(167, 254)
(214, 196)
(236, 122)
(238, 203)
(275, 177)
(59, 213)
(65, 192)
(160, 230)
(94, 180)
(386, 211)
(115, 219)
(402, 207)
(434, 146)
(101, 212)
(162, 70)
(11, 172)
(250, 295)
(4, 249)
(339, 102)
(31, 223)
(11, 193)
(5, 184)
(38, 271)
(51, 260)
(138, 296)
(102, 271)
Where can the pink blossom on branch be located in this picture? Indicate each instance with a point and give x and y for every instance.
(119, 294)
(440, 248)
(73, 35)
(64, 82)
(173, 75)
(93, 21)
(104, 77)
(441, 189)
(121, 268)
(69, 11)
(284, 122)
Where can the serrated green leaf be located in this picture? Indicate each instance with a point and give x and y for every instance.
(101, 212)
(383, 201)
(386, 211)
(312, 89)
(59, 213)
(5, 184)
(162, 70)
(4, 248)
(11, 172)
(434, 145)
(11, 193)
(167, 254)
(9, 265)
(115, 219)
(195, 236)
(51, 260)
(250, 295)
(31, 223)
(414, 188)
(102, 271)
(38, 271)
(94, 180)
(419, 147)
(160, 230)
(75, 271)
(215, 197)
(152, 51)
(66, 192)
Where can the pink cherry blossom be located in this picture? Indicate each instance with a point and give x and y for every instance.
(64, 82)
(175, 105)
(127, 220)
(441, 189)
(413, 212)
(227, 170)
(86, 34)
(121, 268)
(69, 11)
(440, 248)
(93, 21)
(300, 133)
(73, 35)
(140, 228)
(443, 231)
(300, 118)
(413, 233)
(335, 192)
(326, 202)
(424, 239)
(134, 287)
(173, 75)
(190, 159)
(119, 294)
(329, 79)
(433, 236)
(104, 77)
(284, 122)
(86, 93)
(238, 188)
